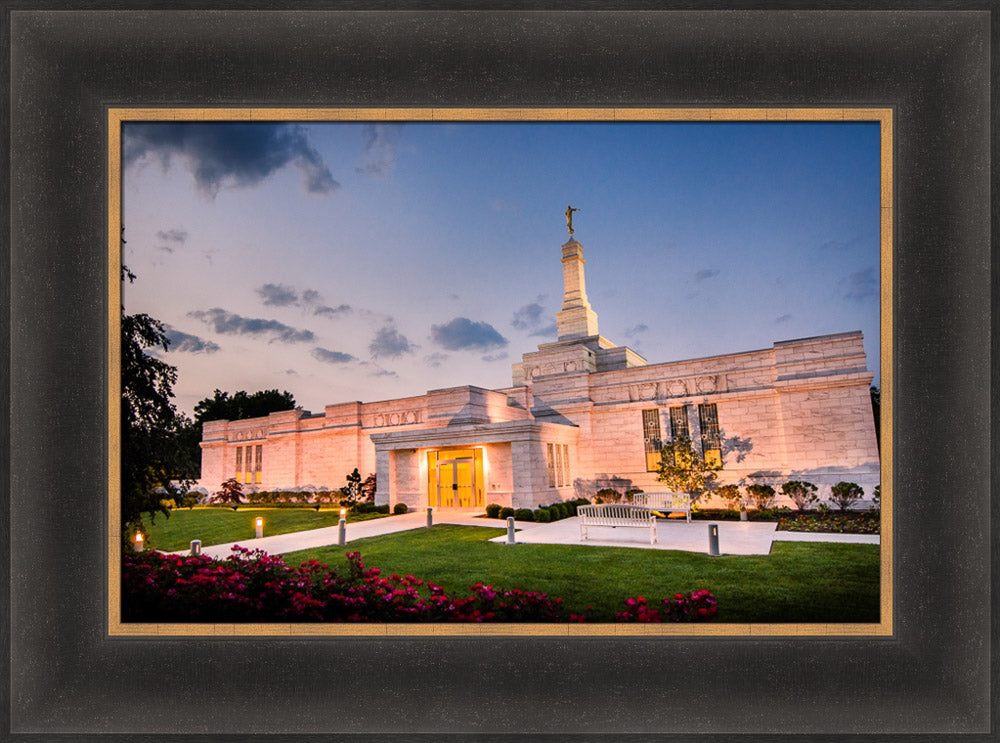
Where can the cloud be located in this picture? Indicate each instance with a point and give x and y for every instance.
(326, 311)
(548, 331)
(291, 372)
(783, 318)
(278, 295)
(228, 323)
(462, 333)
(173, 236)
(228, 155)
(331, 357)
(495, 356)
(381, 141)
(378, 371)
(389, 343)
(636, 330)
(528, 316)
(861, 285)
(706, 273)
(436, 359)
(186, 343)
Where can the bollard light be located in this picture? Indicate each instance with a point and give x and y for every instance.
(343, 513)
(342, 533)
(139, 539)
(195, 547)
(430, 517)
(713, 540)
(510, 530)
(259, 526)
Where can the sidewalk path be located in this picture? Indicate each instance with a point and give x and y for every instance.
(735, 537)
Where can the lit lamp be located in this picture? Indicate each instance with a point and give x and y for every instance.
(259, 525)
(342, 536)
(139, 541)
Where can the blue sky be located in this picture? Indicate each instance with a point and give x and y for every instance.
(371, 261)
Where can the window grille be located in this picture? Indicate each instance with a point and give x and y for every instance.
(651, 439)
(711, 441)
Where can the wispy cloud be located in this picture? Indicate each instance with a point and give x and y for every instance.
(782, 318)
(861, 285)
(229, 323)
(172, 236)
(706, 273)
(277, 295)
(182, 342)
(529, 316)
(435, 360)
(227, 155)
(381, 141)
(546, 331)
(389, 343)
(636, 330)
(331, 357)
(462, 333)
(495, 356)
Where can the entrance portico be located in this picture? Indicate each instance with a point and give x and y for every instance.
(468, 466)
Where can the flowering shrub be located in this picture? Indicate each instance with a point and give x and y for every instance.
(697, 606)
(254, 586)
(837, 523)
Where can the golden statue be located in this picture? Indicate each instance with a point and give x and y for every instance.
(569, 219)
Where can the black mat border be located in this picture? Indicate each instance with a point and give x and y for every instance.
(931, 678)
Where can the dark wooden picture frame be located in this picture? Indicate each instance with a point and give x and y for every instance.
(931, 677)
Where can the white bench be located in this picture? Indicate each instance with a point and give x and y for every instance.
(664, 502)
(617, 515)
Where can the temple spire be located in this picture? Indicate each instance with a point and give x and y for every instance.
(576, 319)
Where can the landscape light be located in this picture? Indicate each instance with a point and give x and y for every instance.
(342, 532)
(259, 524)
(343, 513)
(138, 541)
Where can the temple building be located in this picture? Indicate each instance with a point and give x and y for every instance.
(581, 414)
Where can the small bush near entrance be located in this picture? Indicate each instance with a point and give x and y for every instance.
(762, 496)
(542, 516)
(493, 511)
(506, 512)
(399, 508)
(524, 514)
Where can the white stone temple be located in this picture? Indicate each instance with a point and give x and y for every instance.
(581, 414)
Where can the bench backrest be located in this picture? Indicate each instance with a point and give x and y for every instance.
(681, 501)
(614, 513)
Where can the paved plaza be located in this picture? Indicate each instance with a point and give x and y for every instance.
(735, 537)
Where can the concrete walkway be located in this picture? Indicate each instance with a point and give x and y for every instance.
(735, 537)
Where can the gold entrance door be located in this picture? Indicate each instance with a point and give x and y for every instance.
(457, 478)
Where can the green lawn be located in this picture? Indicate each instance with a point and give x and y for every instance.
(221, 526)
(797, 582)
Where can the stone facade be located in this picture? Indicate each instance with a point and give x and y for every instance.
(580, 415)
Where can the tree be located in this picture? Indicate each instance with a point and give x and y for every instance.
(352, 490)
(802, 493)
(153, 461)
(369, 488)
(230, 492)
(685, 470)
(223, 406)
(844, 494)
(876, 395)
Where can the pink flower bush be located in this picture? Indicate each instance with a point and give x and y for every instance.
(697, 606)
(255, 586)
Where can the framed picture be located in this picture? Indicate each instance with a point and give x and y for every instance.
(271, 679)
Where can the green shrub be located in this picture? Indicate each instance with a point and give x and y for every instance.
(364, 508)
(731, 495)
(524, 514)
(399, 508)
(607, 495)
(554, 513)
(563, 510)
(493, 510)
(384, 508)
(542, 515)
(630, 494)
(571, 507)
(844, 494)
(762, 496)
(506, 512)
(802, 493)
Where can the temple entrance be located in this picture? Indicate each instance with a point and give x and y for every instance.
(455, 478)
